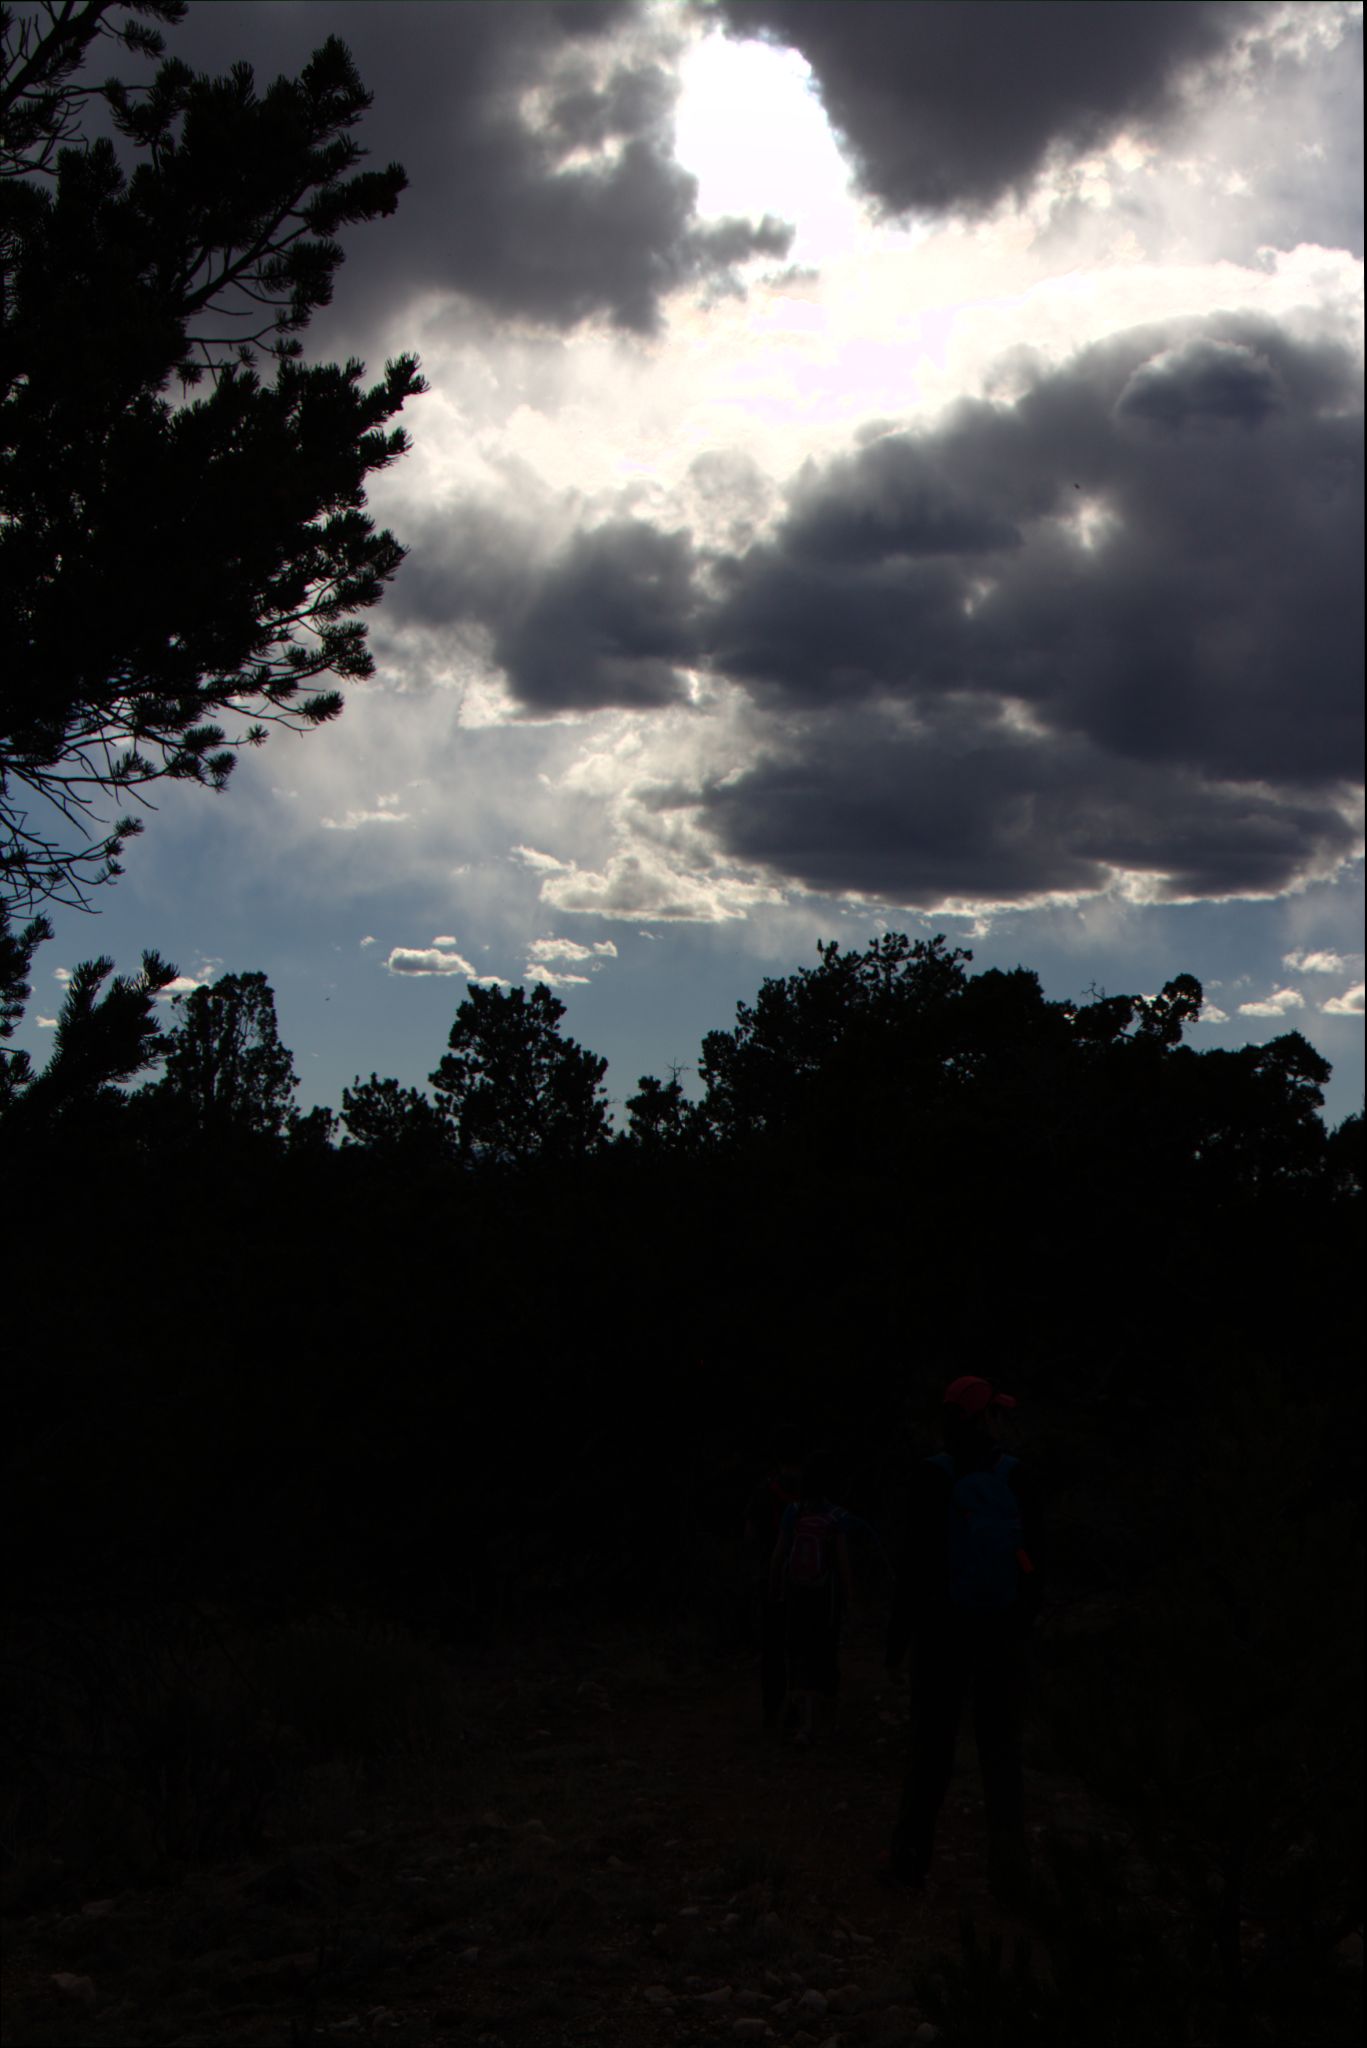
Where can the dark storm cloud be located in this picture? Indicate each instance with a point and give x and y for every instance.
(608, 624)
(1213, 380)
(894, 500)
(605, 620)
(537, 142)
(1116, 624)
(967, 810)
(1215, 619)
(950, 107)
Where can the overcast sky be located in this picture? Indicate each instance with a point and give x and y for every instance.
(886, 466)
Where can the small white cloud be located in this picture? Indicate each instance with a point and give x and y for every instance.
(1276, 1005)
(544, 863)
(542, 954)
(559, 949)
(62, 974)
(355, 819)
(1316, 963)
(553, 977)
(1211, 1013)
(1349, 1004)
(369, 939)
(46, 1023)
(568, 949)
(445, 939)
(430, 960)
(183, 985)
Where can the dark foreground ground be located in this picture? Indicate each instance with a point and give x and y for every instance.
(593, 1845)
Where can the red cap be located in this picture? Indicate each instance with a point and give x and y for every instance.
(973, 1396)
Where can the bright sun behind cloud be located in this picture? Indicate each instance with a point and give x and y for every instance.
(733, 94)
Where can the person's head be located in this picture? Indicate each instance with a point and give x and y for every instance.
(785, 1447)
(819, 1478)
(972, 1417)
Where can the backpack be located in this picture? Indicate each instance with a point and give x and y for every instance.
(811, 1557)
(984, 1536)
(779, 1500)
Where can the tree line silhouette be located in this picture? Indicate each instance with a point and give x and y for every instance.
(869, 1050)
(888, 1159)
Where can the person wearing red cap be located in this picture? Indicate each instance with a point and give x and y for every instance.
(969, 1588)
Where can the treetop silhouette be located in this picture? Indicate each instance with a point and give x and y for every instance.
(164, 565)
(392, 1122)
(514, 1089)
(104, 1036)
(802, 1028)
(226, 1068)
(892, 1064)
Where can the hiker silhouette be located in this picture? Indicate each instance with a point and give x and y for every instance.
(812, 1580)
(968, 1589)
(763, 1522)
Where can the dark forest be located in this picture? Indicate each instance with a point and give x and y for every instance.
(475, 1368)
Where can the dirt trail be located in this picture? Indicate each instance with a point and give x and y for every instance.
(614, 1856)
